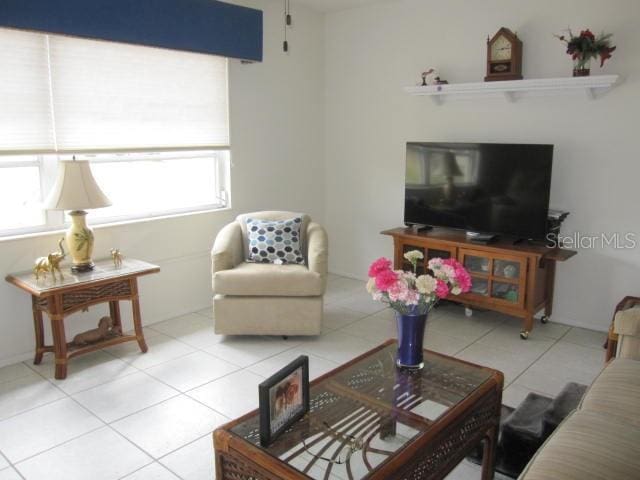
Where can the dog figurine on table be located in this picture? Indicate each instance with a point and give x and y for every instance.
(105, 328)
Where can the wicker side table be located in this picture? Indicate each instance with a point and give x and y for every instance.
(75, 292)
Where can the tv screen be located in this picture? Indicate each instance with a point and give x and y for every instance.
(480, 187)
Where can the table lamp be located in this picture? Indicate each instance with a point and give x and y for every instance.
(76, 190)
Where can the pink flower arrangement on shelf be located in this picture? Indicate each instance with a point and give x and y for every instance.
(412, 294)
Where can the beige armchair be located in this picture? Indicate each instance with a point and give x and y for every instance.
(624, 326)
(627, 327)
(263, 298)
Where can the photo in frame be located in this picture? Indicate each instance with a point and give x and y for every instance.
(284, 399)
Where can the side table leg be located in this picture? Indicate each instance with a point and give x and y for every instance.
(38, 328)
(114, 312)
(137, 320)
(59, 346)
(489, 453)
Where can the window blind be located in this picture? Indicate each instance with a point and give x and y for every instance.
(110, 97)
(26, 122)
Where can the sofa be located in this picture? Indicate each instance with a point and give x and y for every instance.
(252, 298)
(600, 440)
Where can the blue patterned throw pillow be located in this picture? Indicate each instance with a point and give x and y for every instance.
(275, 241)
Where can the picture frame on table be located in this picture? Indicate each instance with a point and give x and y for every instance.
(284, 399)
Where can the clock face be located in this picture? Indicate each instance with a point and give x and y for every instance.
(501, 49)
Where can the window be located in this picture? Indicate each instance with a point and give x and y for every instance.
(140, 185)
(153, 123)
(20, 186)
(152, 184)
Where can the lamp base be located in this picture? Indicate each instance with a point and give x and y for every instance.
(79, 240)
(82, 268)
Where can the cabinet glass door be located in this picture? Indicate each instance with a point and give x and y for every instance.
(437, 253)
(509, 292)
(480, 286)
(497, 277)
(428, 253)
(506, 269)
(479, 267)
(508, 278)
(476, 264)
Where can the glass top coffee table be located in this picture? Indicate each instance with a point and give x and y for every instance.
(368, 419)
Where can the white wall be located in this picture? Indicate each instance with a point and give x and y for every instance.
(277, 153)
(372, 52)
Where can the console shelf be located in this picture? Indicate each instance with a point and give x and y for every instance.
(514, 279)
(514, 89)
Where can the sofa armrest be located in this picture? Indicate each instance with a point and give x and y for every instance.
(317, 249)
(627, 325)
(228, 250)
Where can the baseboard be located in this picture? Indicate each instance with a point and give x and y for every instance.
(22, 357)
(574, 323)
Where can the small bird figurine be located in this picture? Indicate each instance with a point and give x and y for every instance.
(430, 77)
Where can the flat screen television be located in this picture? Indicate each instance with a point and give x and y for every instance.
(479, 187)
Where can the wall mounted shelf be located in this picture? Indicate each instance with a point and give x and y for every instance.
(514, 89)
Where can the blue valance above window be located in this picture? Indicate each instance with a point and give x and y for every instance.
(204, 26)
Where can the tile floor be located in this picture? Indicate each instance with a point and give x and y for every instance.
(124, 415)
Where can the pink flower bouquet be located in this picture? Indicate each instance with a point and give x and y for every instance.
(412, 294)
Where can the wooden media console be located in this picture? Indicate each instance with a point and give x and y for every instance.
(517, 280)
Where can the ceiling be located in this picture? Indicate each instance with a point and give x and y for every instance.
(335, 5)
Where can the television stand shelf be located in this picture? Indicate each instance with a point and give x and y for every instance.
(517, 280)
